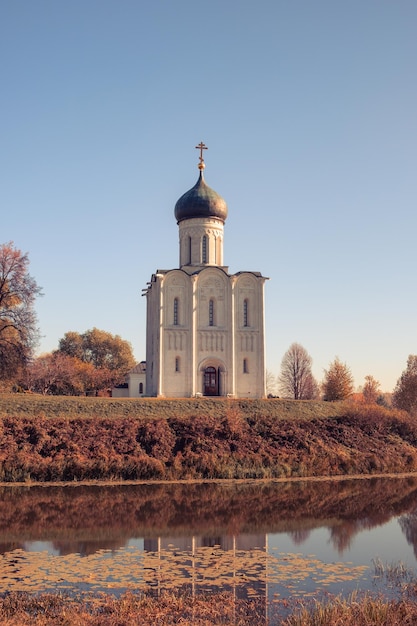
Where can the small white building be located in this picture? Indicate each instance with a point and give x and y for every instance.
(134, 385)
(205, 327)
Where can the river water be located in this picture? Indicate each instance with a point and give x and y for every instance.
(270, 539)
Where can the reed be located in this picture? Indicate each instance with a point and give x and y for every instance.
(354, 611)
(21, 609)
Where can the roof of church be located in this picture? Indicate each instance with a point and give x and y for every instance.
(200, 201)
(139, 368)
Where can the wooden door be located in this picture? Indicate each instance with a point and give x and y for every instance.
(211, 386)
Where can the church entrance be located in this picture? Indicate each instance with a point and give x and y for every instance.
(211, 382)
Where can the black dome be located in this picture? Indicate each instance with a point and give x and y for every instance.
(200, 201)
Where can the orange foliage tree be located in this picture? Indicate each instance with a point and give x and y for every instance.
(84, 364)
(338, 381)
(60, 374)
(371, 390)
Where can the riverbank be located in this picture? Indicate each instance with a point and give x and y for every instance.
(205, 610)
(56, 439)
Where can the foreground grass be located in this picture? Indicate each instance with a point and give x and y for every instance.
(18, 609)
(51, 439)
(351, 612)
(26, 610)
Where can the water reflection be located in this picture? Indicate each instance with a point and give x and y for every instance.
(202, 535)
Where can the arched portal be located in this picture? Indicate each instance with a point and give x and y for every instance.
(211, 381)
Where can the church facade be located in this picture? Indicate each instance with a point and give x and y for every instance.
(205, 327)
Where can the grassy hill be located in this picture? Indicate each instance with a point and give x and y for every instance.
(68, 406)
(67, 438)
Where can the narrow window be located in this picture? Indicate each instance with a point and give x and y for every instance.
(245, 366)
(204, 249)
(246, 312)
(177, 363)
(211, 313)
(140, 388)
(189, 250)
(176, 309)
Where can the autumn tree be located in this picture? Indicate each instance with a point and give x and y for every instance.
(72, 345)
(296, 379)
(371, 390)
(405, 392)
(338, 381)
(18, 322)
(60, 374)
(110, 355)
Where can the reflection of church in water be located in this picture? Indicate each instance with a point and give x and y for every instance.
(235, 563)
(205, 327)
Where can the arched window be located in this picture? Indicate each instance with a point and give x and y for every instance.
(177, 363)
(176, 311)
(211, 313)
(204, 249)
(246, 312)
(245, 366)
(189, 250)
(140, 388)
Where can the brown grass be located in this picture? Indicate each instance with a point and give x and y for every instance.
(353, 612)
(18, 609)
(27, 610)
(64, 439)
(35, 405)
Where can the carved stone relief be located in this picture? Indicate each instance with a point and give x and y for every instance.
(212, 287)
(176, 340)
(211, 341)
(247, 341)
(177, 280)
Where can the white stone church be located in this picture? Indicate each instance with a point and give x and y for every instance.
(205, 327)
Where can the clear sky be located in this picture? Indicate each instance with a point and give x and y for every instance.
(309, 111)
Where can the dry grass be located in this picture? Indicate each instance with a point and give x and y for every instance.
(130, 609)
(33, 405)
(355, 612)
(64, 439)
(18, 609)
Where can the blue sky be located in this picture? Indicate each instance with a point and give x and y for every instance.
(308, 108)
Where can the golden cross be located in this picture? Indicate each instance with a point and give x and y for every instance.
(201, 146)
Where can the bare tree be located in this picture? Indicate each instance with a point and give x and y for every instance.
(18, 323)
(271, 384)
(338, 381)
(296, 379)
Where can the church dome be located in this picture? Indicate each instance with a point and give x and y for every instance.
(200, 201)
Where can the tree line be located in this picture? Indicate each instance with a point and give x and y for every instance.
(296, 380)
(84, 363)
(94, 361)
